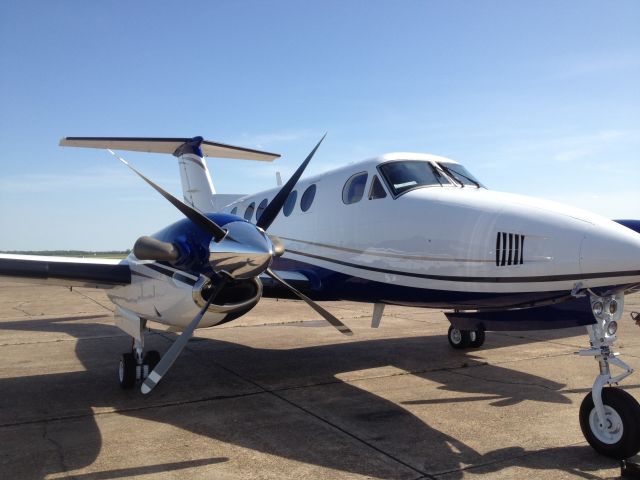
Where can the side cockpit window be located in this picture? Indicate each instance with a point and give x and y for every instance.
(354, 188)
(376, 190)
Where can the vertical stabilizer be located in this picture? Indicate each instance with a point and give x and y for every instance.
(197, 188)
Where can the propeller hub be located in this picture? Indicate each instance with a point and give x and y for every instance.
(245, 251)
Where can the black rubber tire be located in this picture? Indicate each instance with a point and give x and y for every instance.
(151, 358)
(477, 338)
(629, 411)
(458, 339)
(127, 371)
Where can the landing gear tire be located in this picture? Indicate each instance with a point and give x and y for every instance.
(151, 359)
(127, 371)
(619, 437)
(477, 338)
(458, 339)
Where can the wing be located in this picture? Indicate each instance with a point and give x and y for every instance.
(70, 272)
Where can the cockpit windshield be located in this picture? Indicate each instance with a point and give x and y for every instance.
(460, 174)
(409, 174)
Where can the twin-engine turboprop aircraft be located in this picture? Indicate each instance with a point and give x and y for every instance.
(404, 228)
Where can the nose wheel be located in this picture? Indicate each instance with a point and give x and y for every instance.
(619, 435)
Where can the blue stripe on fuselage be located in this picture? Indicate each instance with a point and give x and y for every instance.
(327, 284)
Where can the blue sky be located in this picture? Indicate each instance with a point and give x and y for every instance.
(540, 98)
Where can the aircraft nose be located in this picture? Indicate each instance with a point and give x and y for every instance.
(611, 248)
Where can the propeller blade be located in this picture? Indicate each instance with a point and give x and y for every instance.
(176, 348)
(192, 214)
(342, 328)
(273, 209)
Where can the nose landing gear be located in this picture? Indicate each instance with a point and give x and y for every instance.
(609, 417)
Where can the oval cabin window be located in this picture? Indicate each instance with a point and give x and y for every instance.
(248, 213)
(290, 203)
(261, 207)
(307, 197)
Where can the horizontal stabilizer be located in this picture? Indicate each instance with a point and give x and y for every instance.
(168, 145)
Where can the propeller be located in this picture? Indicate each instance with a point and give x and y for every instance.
(176, 348)
(229, 251)
(342, 328)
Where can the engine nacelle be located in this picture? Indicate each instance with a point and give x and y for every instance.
(234, 300)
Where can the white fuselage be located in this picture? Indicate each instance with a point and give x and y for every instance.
(444, 237)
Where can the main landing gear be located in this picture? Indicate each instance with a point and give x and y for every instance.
(609, 417)
(136, 365)
(461, 339)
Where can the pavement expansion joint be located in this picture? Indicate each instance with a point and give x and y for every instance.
(519, 336)
(58, 340)
(130, 409)
(502, 382)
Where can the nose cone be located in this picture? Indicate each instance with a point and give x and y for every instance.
(245, 252)
(612, 249)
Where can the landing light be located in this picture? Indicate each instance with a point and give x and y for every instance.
(612, 328)
(597, 308)
(613, 307)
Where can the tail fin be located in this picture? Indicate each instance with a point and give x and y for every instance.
(197, 188)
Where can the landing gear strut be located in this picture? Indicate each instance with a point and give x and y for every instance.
(135, 365)
(460, 339)
(609, 417)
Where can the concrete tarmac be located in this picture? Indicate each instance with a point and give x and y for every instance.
(279, 394)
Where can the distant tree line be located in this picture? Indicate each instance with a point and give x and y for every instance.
(72, 253)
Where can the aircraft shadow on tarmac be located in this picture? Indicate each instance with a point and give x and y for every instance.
(245, 396)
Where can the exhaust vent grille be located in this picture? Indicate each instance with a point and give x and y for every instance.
(509, 249)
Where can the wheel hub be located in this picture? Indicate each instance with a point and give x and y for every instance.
(611, 430)
(456, 336)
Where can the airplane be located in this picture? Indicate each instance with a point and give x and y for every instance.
(403, 229)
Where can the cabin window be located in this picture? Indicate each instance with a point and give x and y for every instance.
(261, 207)
(290, 203)
(307, 197)
(354, 188)
(376, 190)
(248, 213)
(234, 210)
(409, 174)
